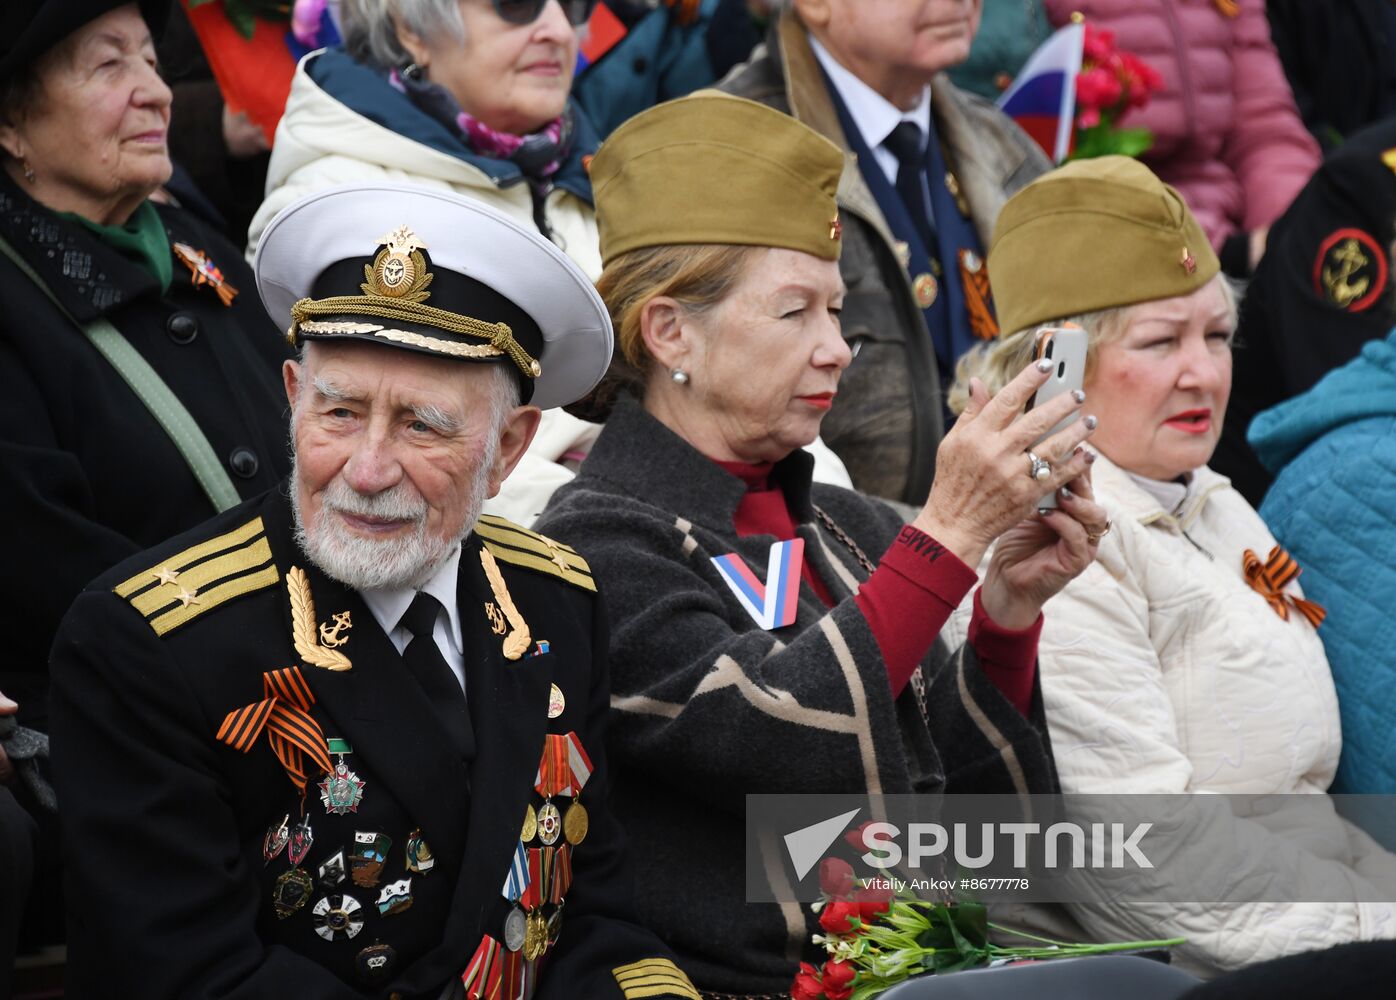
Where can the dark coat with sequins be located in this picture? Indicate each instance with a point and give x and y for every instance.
(87, 475)
(169, 895)
(709, 708)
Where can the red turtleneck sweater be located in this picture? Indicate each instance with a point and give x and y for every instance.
(908, 598)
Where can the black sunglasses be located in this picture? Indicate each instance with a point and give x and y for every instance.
(527, 11)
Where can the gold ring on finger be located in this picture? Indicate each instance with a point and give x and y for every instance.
(1094, 537)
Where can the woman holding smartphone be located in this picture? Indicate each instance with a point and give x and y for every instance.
(1186, 658)
(725, 298)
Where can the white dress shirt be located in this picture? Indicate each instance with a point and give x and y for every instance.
(874, 115)
(388, 607)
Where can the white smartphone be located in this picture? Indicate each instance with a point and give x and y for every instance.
(1067, 346)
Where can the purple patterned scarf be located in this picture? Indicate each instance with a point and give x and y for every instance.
(538, 155)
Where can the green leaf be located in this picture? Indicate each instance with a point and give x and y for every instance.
(198, 3)
(1133, 141)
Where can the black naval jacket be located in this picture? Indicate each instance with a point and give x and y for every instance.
(1322, 290)
(168, 892)
(87, 476)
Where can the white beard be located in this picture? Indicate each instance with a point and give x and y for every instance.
(404, 562)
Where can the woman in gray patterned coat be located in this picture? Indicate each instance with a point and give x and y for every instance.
(725, 298)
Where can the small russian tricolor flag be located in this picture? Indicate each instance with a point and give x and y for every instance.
(1042, 99)
(771, 604)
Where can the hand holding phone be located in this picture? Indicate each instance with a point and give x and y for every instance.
(1067, 346)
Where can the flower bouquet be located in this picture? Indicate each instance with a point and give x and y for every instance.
(1110, 84)
(876, 938)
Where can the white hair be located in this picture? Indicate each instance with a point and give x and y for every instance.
(370, 27)
(408, 561)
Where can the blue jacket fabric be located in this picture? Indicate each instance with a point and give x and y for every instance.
(1333, 506)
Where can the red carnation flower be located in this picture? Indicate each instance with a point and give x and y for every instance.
(837, 979)
(835, 877)
(806, 985)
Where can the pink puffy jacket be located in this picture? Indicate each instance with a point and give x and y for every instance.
(1226, 133)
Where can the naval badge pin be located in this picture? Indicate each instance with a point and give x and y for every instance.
(375, 963)
(419, 860)
(290, 892)
(331, 871)
(276, 838)
(395, 897)
(299, 845)
(341, 790)
(337, 916)
(366, 861)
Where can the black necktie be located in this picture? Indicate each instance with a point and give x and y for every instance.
(905, 144)
(434, 674)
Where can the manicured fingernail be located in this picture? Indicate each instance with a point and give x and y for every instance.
(1090, 421)
(1045, 365)
(1078, 395)
(1090, 457)
(1067, 494)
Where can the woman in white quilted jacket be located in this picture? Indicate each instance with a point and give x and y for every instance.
(1186, 659)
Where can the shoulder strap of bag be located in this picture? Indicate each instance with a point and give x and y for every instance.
(162, 403)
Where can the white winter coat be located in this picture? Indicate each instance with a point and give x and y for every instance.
(1163, 671)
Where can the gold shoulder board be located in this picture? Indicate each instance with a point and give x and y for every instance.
(653, 977)
(200, 578)
(512, 543)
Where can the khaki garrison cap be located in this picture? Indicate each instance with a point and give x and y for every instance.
(1094, 234)
(712, 168)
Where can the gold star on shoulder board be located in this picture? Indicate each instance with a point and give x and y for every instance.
(557, 557)
(166, 575)
(186, 598)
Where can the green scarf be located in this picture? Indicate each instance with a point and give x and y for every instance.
(140, 239)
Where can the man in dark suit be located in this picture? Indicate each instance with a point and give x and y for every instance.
(346, 738)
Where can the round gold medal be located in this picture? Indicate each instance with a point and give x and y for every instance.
(576, 823)
(396, 272)
(925, 288)
(530, 826)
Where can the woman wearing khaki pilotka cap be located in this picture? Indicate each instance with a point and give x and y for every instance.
(720, 237)
(1186, 659)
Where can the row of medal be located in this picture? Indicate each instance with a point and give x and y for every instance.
(538, 876)
(337, 913)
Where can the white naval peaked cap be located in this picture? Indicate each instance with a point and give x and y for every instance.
(503, 292)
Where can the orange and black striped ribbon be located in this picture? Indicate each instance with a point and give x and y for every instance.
(283, 713)
(978, 305)
(562, 874)
(1270, 579)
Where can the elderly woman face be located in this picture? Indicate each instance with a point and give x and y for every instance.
(94, 133)
(1160, 388)
(513, 77)
(764, 364)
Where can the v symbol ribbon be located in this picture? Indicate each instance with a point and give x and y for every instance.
(771, 604)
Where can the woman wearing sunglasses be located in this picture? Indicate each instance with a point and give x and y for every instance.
(470, 95)
(466, 95)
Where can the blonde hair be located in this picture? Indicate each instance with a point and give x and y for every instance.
(697, 276)
(998, 362)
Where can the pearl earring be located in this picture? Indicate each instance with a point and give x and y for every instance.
(679, 376)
